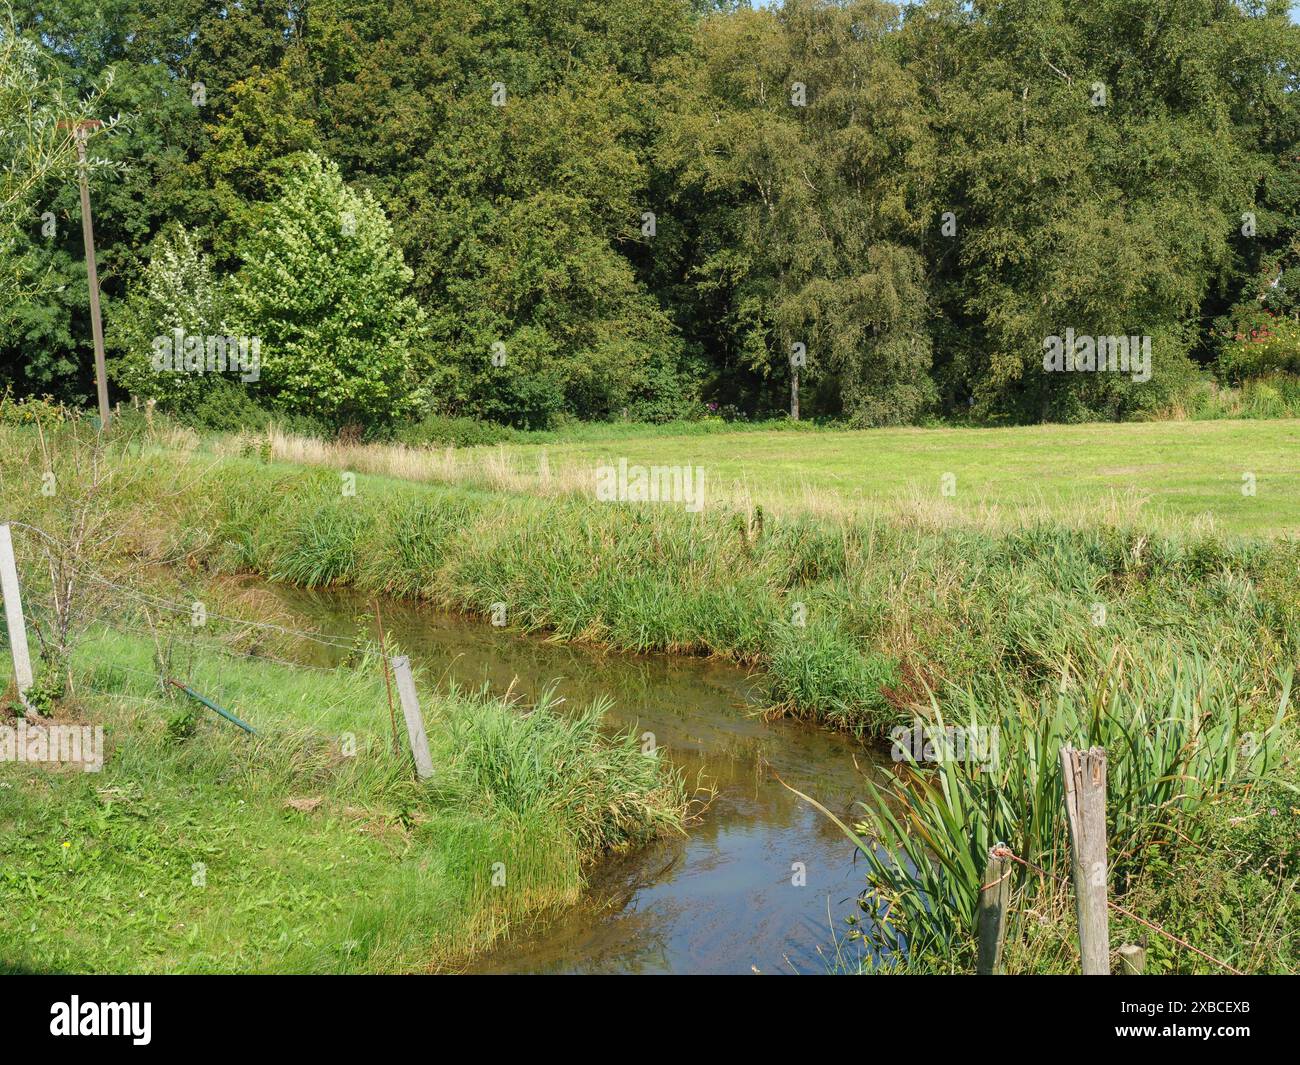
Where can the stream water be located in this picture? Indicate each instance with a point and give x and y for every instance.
(725, 898)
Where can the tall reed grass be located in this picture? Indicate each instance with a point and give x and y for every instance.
(1176, 741)
(852, 621)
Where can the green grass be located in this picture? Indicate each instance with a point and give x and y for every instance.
(1166, 472)
(1164, 476)
(858, 620)
(852, 620)
(185, 853)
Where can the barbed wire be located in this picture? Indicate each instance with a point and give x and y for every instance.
(132, 696)
(152, 700)
(128, 621)
(145, 600)
(188, 608)
(39, 532)
(209, 643)
(162, 603)
(156, 678)
(194, 636)
(1001, 850)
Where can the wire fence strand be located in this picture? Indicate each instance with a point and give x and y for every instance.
(163, 603)
(131, 602)
(1003, 851)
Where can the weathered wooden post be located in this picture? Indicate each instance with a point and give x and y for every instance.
(991, 918)
(14, 614)
(414, 722)
(1132, 960)
(1084, 776)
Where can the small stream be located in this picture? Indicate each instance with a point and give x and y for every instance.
(721, 900)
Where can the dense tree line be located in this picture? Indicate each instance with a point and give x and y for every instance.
(522, 210)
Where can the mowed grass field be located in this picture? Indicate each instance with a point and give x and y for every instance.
(1166, 475)
(1184, 469)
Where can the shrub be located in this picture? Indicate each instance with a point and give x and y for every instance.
(439, 430)
(1259, 347)
(34, 410)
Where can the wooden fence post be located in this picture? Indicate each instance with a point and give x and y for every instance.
(14, 614)
(1084, 776)
(1132, 959)
(991, 919)
(414, 722)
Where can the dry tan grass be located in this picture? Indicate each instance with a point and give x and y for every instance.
(493, 468)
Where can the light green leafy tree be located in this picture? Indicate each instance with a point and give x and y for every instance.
(324, 288)
(177, 292)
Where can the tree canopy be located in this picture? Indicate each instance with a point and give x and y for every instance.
(571, 208)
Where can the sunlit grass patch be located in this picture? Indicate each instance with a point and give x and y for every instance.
(310, 846)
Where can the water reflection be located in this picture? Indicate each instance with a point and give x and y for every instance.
(721, 900)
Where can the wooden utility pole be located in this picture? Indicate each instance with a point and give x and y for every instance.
(81, 130)
(14, 614)
(1083, 774)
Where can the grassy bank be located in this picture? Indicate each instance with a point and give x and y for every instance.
(1174, 650)
(310, 847)
(854, 622)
